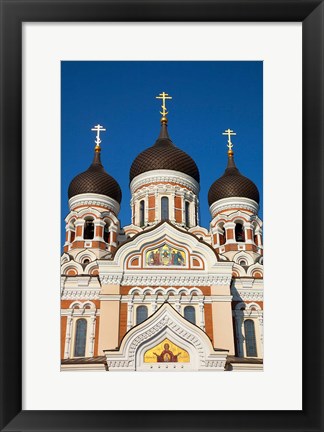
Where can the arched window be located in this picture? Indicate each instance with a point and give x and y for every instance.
(164, 208)
(142, 213)
(190, 314)
(250, 341)
(106, 233)
(141, 314)
(239, 233)
(88, 229)
(187, 215)
(80, 338)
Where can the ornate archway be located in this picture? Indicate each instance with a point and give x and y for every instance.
(173, 344)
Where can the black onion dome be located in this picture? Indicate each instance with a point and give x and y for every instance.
(164, 155)
(232, 184)
(95, 180)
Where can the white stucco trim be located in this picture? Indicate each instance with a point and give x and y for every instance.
(166, 322)
(92, 199)
(246, 367)
(234, 202)
(164, 176)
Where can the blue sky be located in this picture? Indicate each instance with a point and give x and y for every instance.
(208, 97)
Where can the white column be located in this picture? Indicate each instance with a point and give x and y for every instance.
(172, 207)
(130, 314)
(77, 223)
(154, 304)
(177, 304)
(157, 204)
(68, 231)
(181, 194)
(261, 329)
(192, 212)
(258, 233)
(248, 226)
(68, 337)
(216, 230)
(99, 223)
(113, 229)
(227, 226)
(202, 314)
(146, 201)
(92, 335)
(132, 210)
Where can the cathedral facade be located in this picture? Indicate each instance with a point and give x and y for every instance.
(162, 293)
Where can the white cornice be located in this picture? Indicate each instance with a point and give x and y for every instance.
(92, 199)
(247, 294)
(183, 279)
(164, 176)
(76, 294)
(234, 202)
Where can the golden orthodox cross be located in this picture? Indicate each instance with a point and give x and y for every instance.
(98, 128)
(163, 96)
(229, 133)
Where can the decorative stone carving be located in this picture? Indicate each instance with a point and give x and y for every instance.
(252, 295)
(76, 294)
(165, 280)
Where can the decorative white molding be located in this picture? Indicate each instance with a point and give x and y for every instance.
(247, 295)
(165, 280)
(111, 279)
(166, 323)
(166, 291)
(164, 176)
(84, 294)
(234, 202)
(91, 199)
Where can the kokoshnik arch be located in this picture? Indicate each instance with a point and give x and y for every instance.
(163, 293)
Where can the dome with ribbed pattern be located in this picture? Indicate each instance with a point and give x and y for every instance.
(95, 180)
(232, 184)
(164, 155)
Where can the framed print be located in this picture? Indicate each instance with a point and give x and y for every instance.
(166, 295)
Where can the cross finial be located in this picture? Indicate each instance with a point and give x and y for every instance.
(98, 128)
(229, 133)
(164, 111)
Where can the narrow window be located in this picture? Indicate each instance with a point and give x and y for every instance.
(250, 341)
(106, 233)
(88, 230)
(190, 314)
(239, 233)
(164, 208)
(142, 213)
(141, 314)
(80, 338)
(187, 215)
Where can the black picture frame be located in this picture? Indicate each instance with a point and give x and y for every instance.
(13, 14)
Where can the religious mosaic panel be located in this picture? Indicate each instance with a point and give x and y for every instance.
(165, 256)
(166, 352)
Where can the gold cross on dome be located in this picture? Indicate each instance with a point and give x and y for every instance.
(98, 128)
(229, 133)
(163, 96)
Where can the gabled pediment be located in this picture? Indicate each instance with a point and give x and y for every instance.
(172, 338)
(165, 247)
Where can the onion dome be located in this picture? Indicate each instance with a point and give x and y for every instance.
(164, 155)
(232, 184)
(95, 179)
